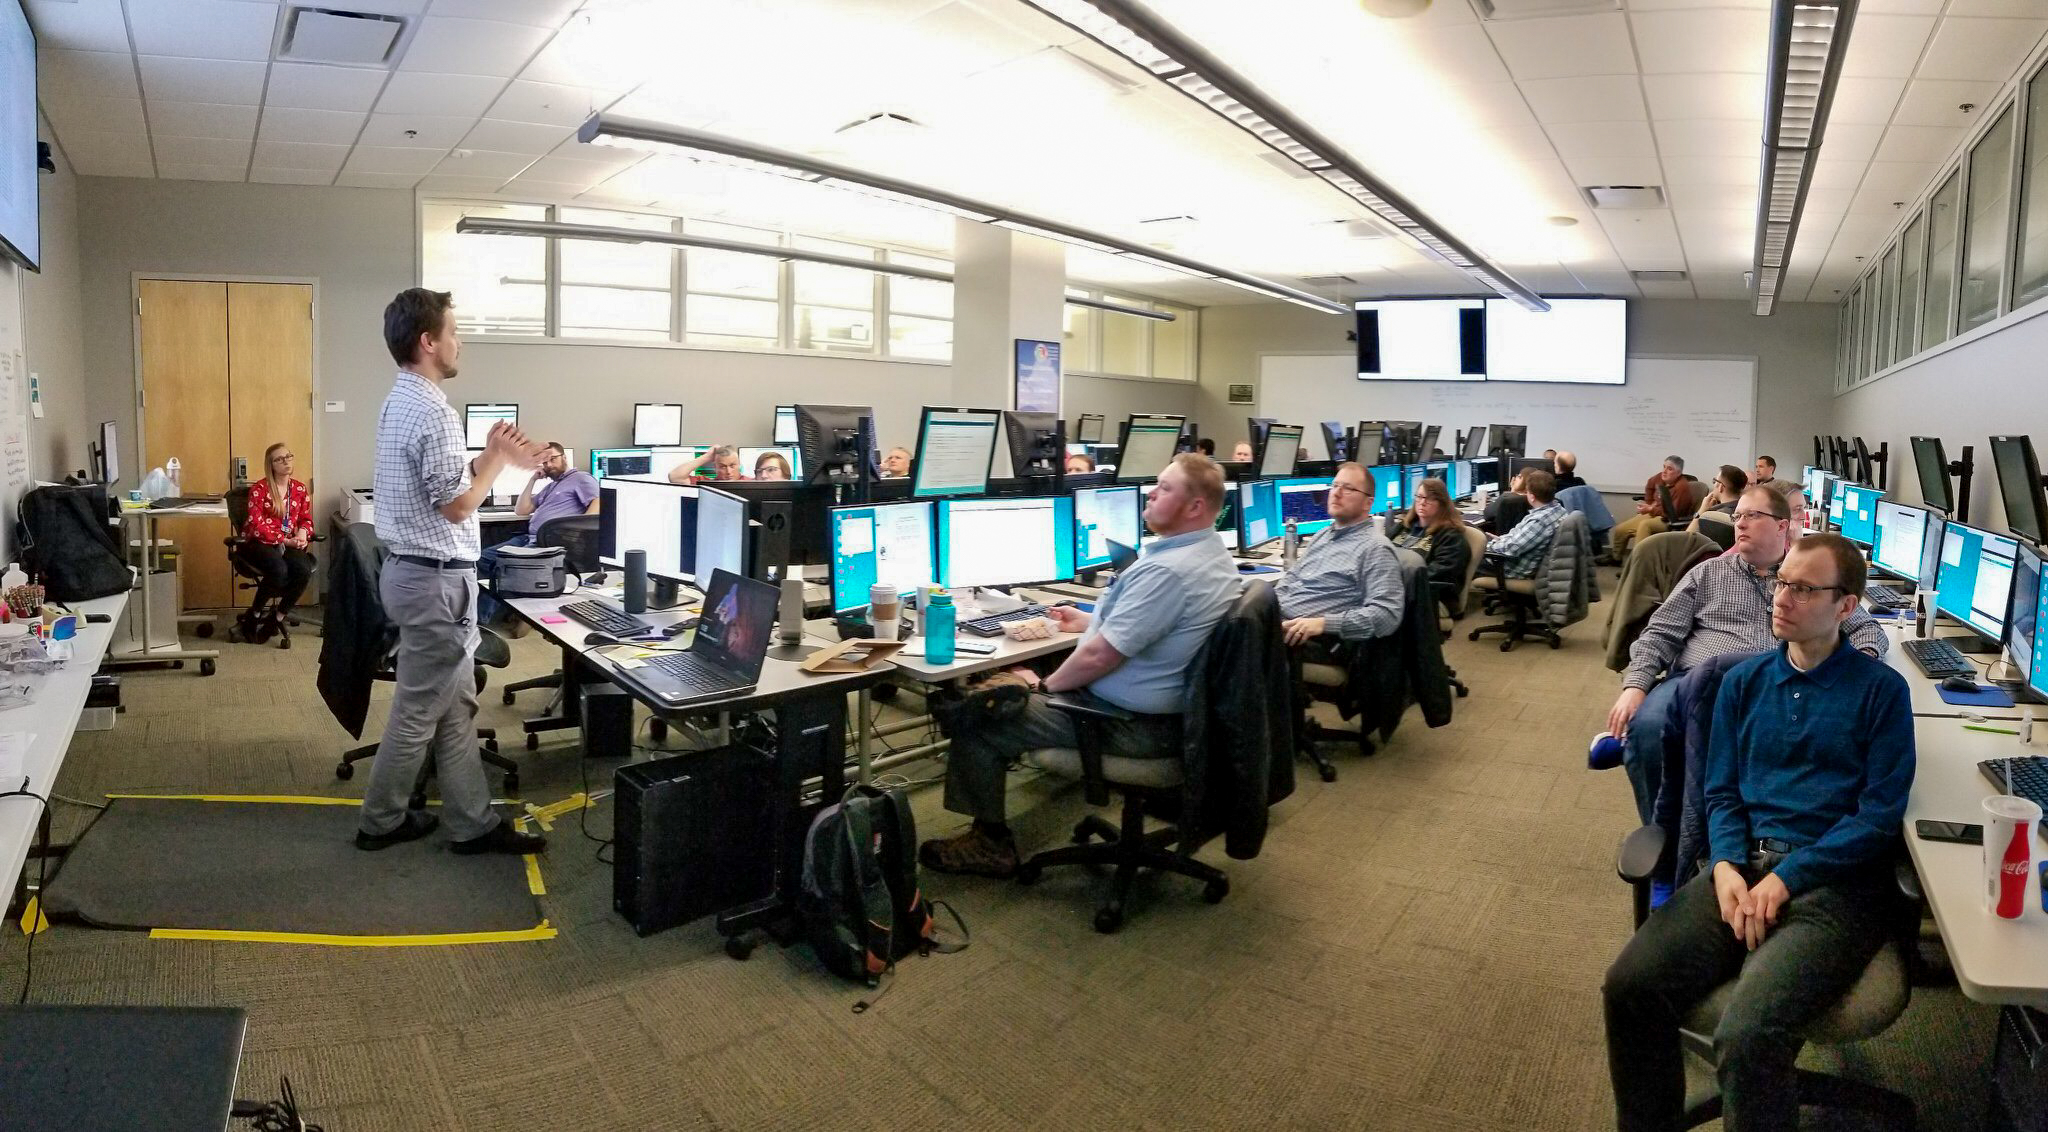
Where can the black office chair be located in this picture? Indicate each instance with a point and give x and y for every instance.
(1237, 760)
(258, 623)
(491, 652)
(1530, 604)
(1375, 681)
(577, 536)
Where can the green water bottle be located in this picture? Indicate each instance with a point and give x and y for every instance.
(938, 628)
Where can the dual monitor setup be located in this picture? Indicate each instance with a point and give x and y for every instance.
(1408, 442)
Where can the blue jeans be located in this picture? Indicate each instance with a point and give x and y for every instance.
(489, 608)
(1642, 753)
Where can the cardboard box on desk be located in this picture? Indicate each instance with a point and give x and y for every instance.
(856, 654)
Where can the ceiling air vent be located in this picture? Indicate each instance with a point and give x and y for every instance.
(1541, 9)
(1329, 280)
(1659, 276)
(332, 35)
(1625, 196)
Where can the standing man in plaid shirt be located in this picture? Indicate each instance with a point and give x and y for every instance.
(427, 490)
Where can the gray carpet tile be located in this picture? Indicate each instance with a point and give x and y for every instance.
(1420, 946)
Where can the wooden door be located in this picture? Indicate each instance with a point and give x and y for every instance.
(270, 373)
(185, 414)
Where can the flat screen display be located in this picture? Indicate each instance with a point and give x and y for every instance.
(889, 542)
(1576, 340)
(21, 238)
(1103, 515)
(1422, 340)
(1975, 581)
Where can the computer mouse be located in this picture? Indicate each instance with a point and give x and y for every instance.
(601, 639)
(1959, 684)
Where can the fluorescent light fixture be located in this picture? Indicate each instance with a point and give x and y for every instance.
(611, 129)
(1133, 31)
(1119, 308)
(1808, 41)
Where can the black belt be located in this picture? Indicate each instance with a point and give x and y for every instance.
(1771, 845)
(437, 563)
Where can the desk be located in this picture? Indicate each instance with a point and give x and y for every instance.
(1927, 701)
(150, 651)
(59, 697)
(90, 1068)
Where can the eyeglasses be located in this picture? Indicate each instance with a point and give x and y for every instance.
(1801, 592)
(1341, 488)
(1759, 517)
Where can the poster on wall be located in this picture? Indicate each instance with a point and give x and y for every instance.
(1038, 377)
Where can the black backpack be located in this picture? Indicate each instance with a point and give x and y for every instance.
(67, 545)
(861, 905)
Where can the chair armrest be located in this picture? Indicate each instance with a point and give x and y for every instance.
(1908, 880)
(1642, 852)
(1087, 705)
(1090, 712)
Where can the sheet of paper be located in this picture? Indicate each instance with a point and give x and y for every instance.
(14, 754)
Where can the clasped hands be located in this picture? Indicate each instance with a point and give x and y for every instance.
(1750, 911)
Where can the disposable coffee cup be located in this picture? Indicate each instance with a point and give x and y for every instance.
(885, 610)
(2009, 824)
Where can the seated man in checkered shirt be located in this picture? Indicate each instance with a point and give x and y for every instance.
(1347, 582)
(1525, 546)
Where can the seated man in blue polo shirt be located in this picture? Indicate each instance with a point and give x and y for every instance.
(555, 489)
(1807, 770)
(1139, 647)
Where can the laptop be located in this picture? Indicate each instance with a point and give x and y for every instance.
(725, 657)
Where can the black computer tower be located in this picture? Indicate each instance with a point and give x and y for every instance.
(694, 835)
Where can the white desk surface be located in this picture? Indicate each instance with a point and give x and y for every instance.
(211, 510)
(59, 697)
(1996, 961)
(1927, 699)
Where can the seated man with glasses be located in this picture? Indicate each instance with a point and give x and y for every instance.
(1347, 581)
(1805, 780)
(1722, 606)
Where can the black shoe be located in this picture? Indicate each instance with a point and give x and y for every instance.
(501, 839)
(415, 826)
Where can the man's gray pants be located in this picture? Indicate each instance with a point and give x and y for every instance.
(434, 706)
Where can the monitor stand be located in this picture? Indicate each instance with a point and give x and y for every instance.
(1974, 644)
(666, 595)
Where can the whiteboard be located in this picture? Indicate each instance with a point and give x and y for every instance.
(1699, 408)
(14, 461)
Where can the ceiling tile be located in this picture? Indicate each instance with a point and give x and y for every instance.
(65, 76)
(1740, 171)
(377, 180)
(319, 127)
(1838, 174)
(1461, 52)
(200, 151)
(384, 159)
(1561, 48)
(1886, 46)
(569, 171)
(1850, 141)
(78, 25)
(110, 115)
(382, 7)
(546, 104)
(452, 96)
(273, 176)
(93, 147)
(1702, 39)
(202, 119)
(442, 184)
(1937, 102)
(1593, 98)
(1918, 143)
(1870, 101)
(542, 190)
(472, 47)
(113, 167)
(202, 29)
(483, 163)
(300, 155)
(539, 13)
(202, 80)
(1614, 170)
(1710, 198)
(1603, 139)
(1877, 198)
(1978, 49)
(1706, 96)
(199, 172)
(1899, 180)
(515, 137)
(1709, 137)
(1829, 200)
(1489, 105)
(2019, 8)
(416, 131)
(314, 86)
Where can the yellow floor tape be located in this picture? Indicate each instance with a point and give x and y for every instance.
(33, 922)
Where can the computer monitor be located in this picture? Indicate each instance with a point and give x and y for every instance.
(1089, 429)
(1373, 444)
(658, 518)
(1485, 475)
(609, 462)
(1512, 439)
(1412, 475)
(830, 438)
(478, 419)
(1103, 515)
(2025, 613)
(1809, 480)
(510, 481)
(1475, 443)
(954, 450)
(1855, 511)
(1006, 541)
(721, 534)
(108, 454)
(1334, 440)
(1258, 513)
(662, 461)
(1255, 429)
(1458, 478)
(1149, 443)
(1932, 465)
(1975, 580)
(1835, 501)
(886, 542)
(1407, 437)
(1903, 548)
(1276, 451)
(1034, 440)
(750, 459)
(1306, 502)
(657, 426)
(2019, 485)
(1866, 465)
(1389, 488)
(785, 426)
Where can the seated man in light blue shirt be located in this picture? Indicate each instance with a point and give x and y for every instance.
(1348, 582)
(1137, 653)
(555, 489)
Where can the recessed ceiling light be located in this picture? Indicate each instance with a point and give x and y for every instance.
(1563, 221)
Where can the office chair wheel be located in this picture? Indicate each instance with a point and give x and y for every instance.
(1108, 920)
(1028, 873)
(509, 697)
(204, 628)
(1327, 772)
(533, 740)
(206, 667)
(511, 782)
(1080, 835)
(1216, 890)
(1473, 635)
(418, 801)
(739, 947)
(344, 771)
(284, 642)
(177, 664)
(1509, 645)
(1556, 642)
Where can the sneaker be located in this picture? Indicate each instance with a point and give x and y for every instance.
(1660, 891)
(1605, 753)
(973, 853)
(415, 826)
(501, 839)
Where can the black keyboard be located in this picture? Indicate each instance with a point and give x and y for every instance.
(992, 625)
(606, 618)
(687, 666)
(1885, 597)
(2029, 776)
(1937, 658)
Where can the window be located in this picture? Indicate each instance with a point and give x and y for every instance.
(732, 299)
(835, 306)
(1129, 345)
(1173, 344)
(920, 310)
(1123, 338)
(1887, 305)
(619, 291)
(1857, 369)
(1079, 355)
(1913, 254)
(1989, 225)
(1942, 222)
(499, 282)
(2033, 254)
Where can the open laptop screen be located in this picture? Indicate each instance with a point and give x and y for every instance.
(733, 631)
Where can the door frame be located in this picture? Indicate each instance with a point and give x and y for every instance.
(135, 281)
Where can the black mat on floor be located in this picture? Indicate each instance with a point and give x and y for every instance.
(282, 866)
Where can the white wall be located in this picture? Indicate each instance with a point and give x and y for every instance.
(53, 332)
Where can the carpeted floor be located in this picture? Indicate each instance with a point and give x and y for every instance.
(1420, 946)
